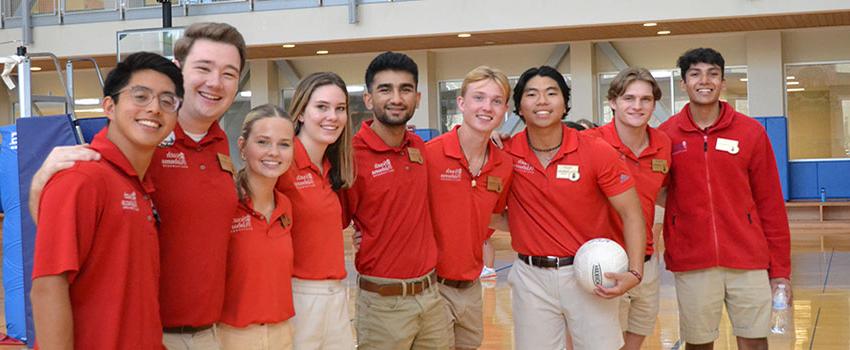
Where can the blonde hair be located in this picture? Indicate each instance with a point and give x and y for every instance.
(628, 76)
(484, 73)
(339, 153)
(256, 113)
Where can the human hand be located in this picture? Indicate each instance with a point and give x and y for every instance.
(623, 282)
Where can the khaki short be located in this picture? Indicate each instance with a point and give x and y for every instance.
(639, 307)
(420, 321)
(467, 310)
(702, 294)
(267, 336)
(547, 301)
(321, 315)
(203, 340)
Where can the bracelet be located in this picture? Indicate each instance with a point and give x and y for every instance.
(637, 274)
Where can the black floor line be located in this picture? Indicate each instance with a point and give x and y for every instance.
(814, 330)
(677, 345)
(828, 268)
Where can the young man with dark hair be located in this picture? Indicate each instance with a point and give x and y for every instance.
(195, 194)
(398, 306)
(723, 197)
(96, 265)
(646, 152)
(564, 184)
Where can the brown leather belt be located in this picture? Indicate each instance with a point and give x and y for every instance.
(186, 329)
(546, 261)
(455, 283)
(398, 288)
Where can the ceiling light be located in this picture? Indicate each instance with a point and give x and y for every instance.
(650, 24)
(792, 83)
(790, 77)
(355, 88)
(35, 69)
(245, 93)
(288, 46)
(464, 35)
(489, 42)
(744, 79)
(322, 52)
(796, 89)
(663, 32)
(87, 101)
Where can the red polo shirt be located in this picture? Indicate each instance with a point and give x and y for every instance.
(649, 170)
(259, 266)
(96, 224)
(196, 200)
(389, 205)
(553, 211)
(316, 235)
(461, 204)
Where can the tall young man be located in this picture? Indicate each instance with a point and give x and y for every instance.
(724, 198)
(96, 266)
(646, 153)
(563, 186)
(468, 178)
(195, 195)
(398, 306)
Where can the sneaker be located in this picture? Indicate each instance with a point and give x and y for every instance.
(487, 272)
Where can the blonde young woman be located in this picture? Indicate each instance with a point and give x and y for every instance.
(323, 165)
(258, 295)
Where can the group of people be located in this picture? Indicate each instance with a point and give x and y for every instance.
(150, 238)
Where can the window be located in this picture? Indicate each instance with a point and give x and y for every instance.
(818, 109)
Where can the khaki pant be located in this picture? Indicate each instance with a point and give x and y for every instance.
(703, 293)
(639, 307)
(321, 315)
(547, 301)
(267, 336)
(402, 322)
(467, 311)
(203, 340)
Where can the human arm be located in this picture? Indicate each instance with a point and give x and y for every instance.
(770, 207)
(627, 206)
(60, 158)
(51, 307)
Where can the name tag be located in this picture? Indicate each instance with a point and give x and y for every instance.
(494, 184)
(660, 166)
(415, 156)
(225, 163)
(569, 172)
(727, 145)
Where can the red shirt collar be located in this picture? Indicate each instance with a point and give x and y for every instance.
(569, 143)
(451, 148)
(375, 143)
(112, 154)
(302, 160)
(213, 134)
(609, 134)
(727, 113)
(277, 213)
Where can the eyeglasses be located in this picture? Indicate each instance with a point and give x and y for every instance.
(143, 96)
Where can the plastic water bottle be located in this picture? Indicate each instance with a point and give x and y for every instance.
(823, 194)
(779, 316)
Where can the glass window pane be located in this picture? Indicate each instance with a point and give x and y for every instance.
(818, 103)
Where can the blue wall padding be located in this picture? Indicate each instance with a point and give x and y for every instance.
(36, 137)
(804, 180)
(13, 271)
(832, 176)
(777, 132)
(809, 176)
(90, 127)
(427, 134)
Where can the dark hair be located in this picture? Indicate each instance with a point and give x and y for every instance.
(542, 71)
(391, 61)
(339, 153)
(215, 32)
(700, 55)
(119, 77)
(574, 125)
(256, 113)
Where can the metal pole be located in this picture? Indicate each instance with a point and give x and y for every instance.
(24, 95)
(26, 22)
(69, 81)
(166, 13)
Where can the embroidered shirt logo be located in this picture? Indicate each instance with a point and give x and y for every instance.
(451, 175)
(304, 181)
(174, 160)
(242, 223)
(523, 167)
(382, 168)
(128, 202)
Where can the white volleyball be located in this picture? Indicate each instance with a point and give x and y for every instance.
(596, 257)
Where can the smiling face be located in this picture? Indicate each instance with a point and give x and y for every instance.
(133, 125)
(703, 82)
(483, 106)
(268, 151)
(542, 104)
(211, 78)
(393, 97)
(635, 106)
(325, 116)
